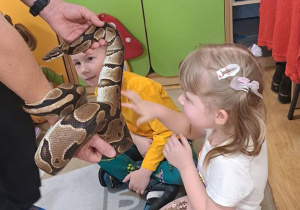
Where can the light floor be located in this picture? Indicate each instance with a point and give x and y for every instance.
(283, 138)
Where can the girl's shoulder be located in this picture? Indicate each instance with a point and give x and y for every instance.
(240, 161)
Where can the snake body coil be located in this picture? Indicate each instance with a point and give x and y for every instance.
(81, 119)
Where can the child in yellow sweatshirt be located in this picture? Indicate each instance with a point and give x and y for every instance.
(143, 167)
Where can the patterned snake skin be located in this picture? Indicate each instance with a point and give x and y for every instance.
(80, 119)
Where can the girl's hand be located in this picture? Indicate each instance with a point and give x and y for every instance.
(145, 109)
(179, 154)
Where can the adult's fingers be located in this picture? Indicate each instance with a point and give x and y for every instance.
(103, 147)
(91, 17)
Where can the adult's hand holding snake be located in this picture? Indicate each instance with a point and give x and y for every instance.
(22, 76)
(68, 20)
(93, 150)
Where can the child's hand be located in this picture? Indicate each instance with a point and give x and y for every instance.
(145, 109)
(179, 154)
(138, 180)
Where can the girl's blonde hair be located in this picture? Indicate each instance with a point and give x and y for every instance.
(246, 111)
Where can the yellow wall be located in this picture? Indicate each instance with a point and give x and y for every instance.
(46, 38)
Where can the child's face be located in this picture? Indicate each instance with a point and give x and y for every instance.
(196, 111)
(88, 67)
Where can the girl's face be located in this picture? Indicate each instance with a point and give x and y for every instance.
(88, 67)
(196, 111)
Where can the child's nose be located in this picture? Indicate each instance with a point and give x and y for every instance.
(180, 99)
(84, 69)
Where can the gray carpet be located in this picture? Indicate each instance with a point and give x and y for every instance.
(80, 189)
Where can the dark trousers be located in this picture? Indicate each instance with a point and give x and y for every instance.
(121, 165)
(19, 176)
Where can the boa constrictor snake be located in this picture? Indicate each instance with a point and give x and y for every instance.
(80, 119)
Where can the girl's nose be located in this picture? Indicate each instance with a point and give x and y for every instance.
(181, 99)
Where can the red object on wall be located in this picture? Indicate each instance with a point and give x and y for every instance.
(133, 48)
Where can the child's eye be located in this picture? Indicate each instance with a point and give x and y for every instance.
(77, 64)
(90, 58)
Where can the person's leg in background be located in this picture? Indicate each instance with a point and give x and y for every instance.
(19, 176)
(281, 84)
(285, 88)
(277, 76)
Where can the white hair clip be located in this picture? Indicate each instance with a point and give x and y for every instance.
(244, 84)
(228, 71)
(256, 50)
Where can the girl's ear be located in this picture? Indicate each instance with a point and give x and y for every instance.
(221, 117)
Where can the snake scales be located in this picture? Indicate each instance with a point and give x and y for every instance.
(81, 120)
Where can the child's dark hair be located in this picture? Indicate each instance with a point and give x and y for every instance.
(246, 111)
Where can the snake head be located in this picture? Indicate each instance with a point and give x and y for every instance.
(53, 54)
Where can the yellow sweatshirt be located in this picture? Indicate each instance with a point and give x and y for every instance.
(153, 91)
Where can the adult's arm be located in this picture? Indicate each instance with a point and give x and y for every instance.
(19, 70)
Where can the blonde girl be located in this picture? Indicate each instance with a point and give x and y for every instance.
(222, 101)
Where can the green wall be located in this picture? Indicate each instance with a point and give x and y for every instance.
(174, 28)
